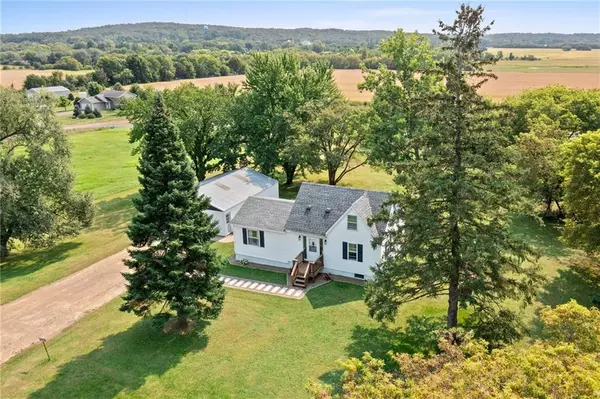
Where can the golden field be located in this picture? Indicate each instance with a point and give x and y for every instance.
(507, 84)
(16, 77)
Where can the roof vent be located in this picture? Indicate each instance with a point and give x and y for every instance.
(308, 207)
(327, 210)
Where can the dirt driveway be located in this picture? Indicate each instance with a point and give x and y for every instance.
(47, 311)
(97, 125)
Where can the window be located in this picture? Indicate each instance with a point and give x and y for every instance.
(253, 238)
(352, 251)
(312, 245)
(360, 276)
(352, 222)
(227, 217)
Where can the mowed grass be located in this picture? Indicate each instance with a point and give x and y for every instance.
(103, 165)
(226, 250)
(261, 346)
(107, 116)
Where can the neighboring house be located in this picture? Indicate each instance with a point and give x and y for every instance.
(54, 91)
(229, 190)
(324, 230)
(108, 99)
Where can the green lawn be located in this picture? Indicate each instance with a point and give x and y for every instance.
(226, 250)
(107, 116)
(104, 166)
(261, 346)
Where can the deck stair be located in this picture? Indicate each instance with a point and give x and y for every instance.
(303, 271)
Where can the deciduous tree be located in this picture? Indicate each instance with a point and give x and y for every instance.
(279, 89)
(581, 162)
(39, 204)
(336, 135)
(174, 266)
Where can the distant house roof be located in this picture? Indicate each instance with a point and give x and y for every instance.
(114, 93)
(318, 207)
(264, 213)
(49, 89)
(96, 99)
(231, 188)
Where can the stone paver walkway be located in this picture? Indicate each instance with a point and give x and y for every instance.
(262, 287)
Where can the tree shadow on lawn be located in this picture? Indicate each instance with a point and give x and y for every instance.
(334, 293)
(122, 362)
(115, 214)
(29, 262)
(571, 283)
(544, 237)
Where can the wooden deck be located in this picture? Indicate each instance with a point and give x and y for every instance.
(303, 271)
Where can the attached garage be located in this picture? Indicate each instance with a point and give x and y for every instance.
(229, 190)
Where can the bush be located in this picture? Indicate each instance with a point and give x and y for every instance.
(91, 116)
(81, 116)
(88, 110)
(97, 113)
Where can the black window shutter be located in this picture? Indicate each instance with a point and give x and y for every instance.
(262, 238)
(344, 250)
(244, 236)
(360, 252)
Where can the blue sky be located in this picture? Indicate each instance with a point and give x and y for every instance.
(511, 16)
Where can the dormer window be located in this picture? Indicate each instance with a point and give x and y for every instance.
(352, 222)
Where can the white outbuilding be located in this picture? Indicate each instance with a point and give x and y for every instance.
(229, 190)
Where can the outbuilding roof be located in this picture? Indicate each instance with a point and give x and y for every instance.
(319, 206)
(231, 188)
(264, 213)
(50, 89)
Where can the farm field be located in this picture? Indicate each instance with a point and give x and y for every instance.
(16, 77)
(550, 60)
(507, 84)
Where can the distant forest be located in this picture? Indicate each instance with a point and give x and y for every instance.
(188, 36)
(149, 52)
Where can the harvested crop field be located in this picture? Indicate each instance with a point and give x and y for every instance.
(16, 77)
(507, 84)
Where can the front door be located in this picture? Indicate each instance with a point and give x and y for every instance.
(312, 249)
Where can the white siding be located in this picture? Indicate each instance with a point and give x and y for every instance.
(332, 251)
(279, 250)
(270, 192)
(218, 217)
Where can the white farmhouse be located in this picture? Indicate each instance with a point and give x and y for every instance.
(229, 190)
(324, 230)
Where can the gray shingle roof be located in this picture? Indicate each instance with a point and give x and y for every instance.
(309, 212)
(231, 188)
(113, 93)
(264, 213)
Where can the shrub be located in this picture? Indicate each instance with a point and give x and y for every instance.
(91, 116)
(81, 116)
(97, 113)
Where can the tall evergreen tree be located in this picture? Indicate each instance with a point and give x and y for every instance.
(451, 212)
(173, 265)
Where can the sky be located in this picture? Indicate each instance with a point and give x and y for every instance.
(510, 16)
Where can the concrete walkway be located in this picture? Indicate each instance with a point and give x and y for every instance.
(45, 312)
(262, 287)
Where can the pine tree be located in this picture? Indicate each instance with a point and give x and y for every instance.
(173, 265)
(452, 208)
